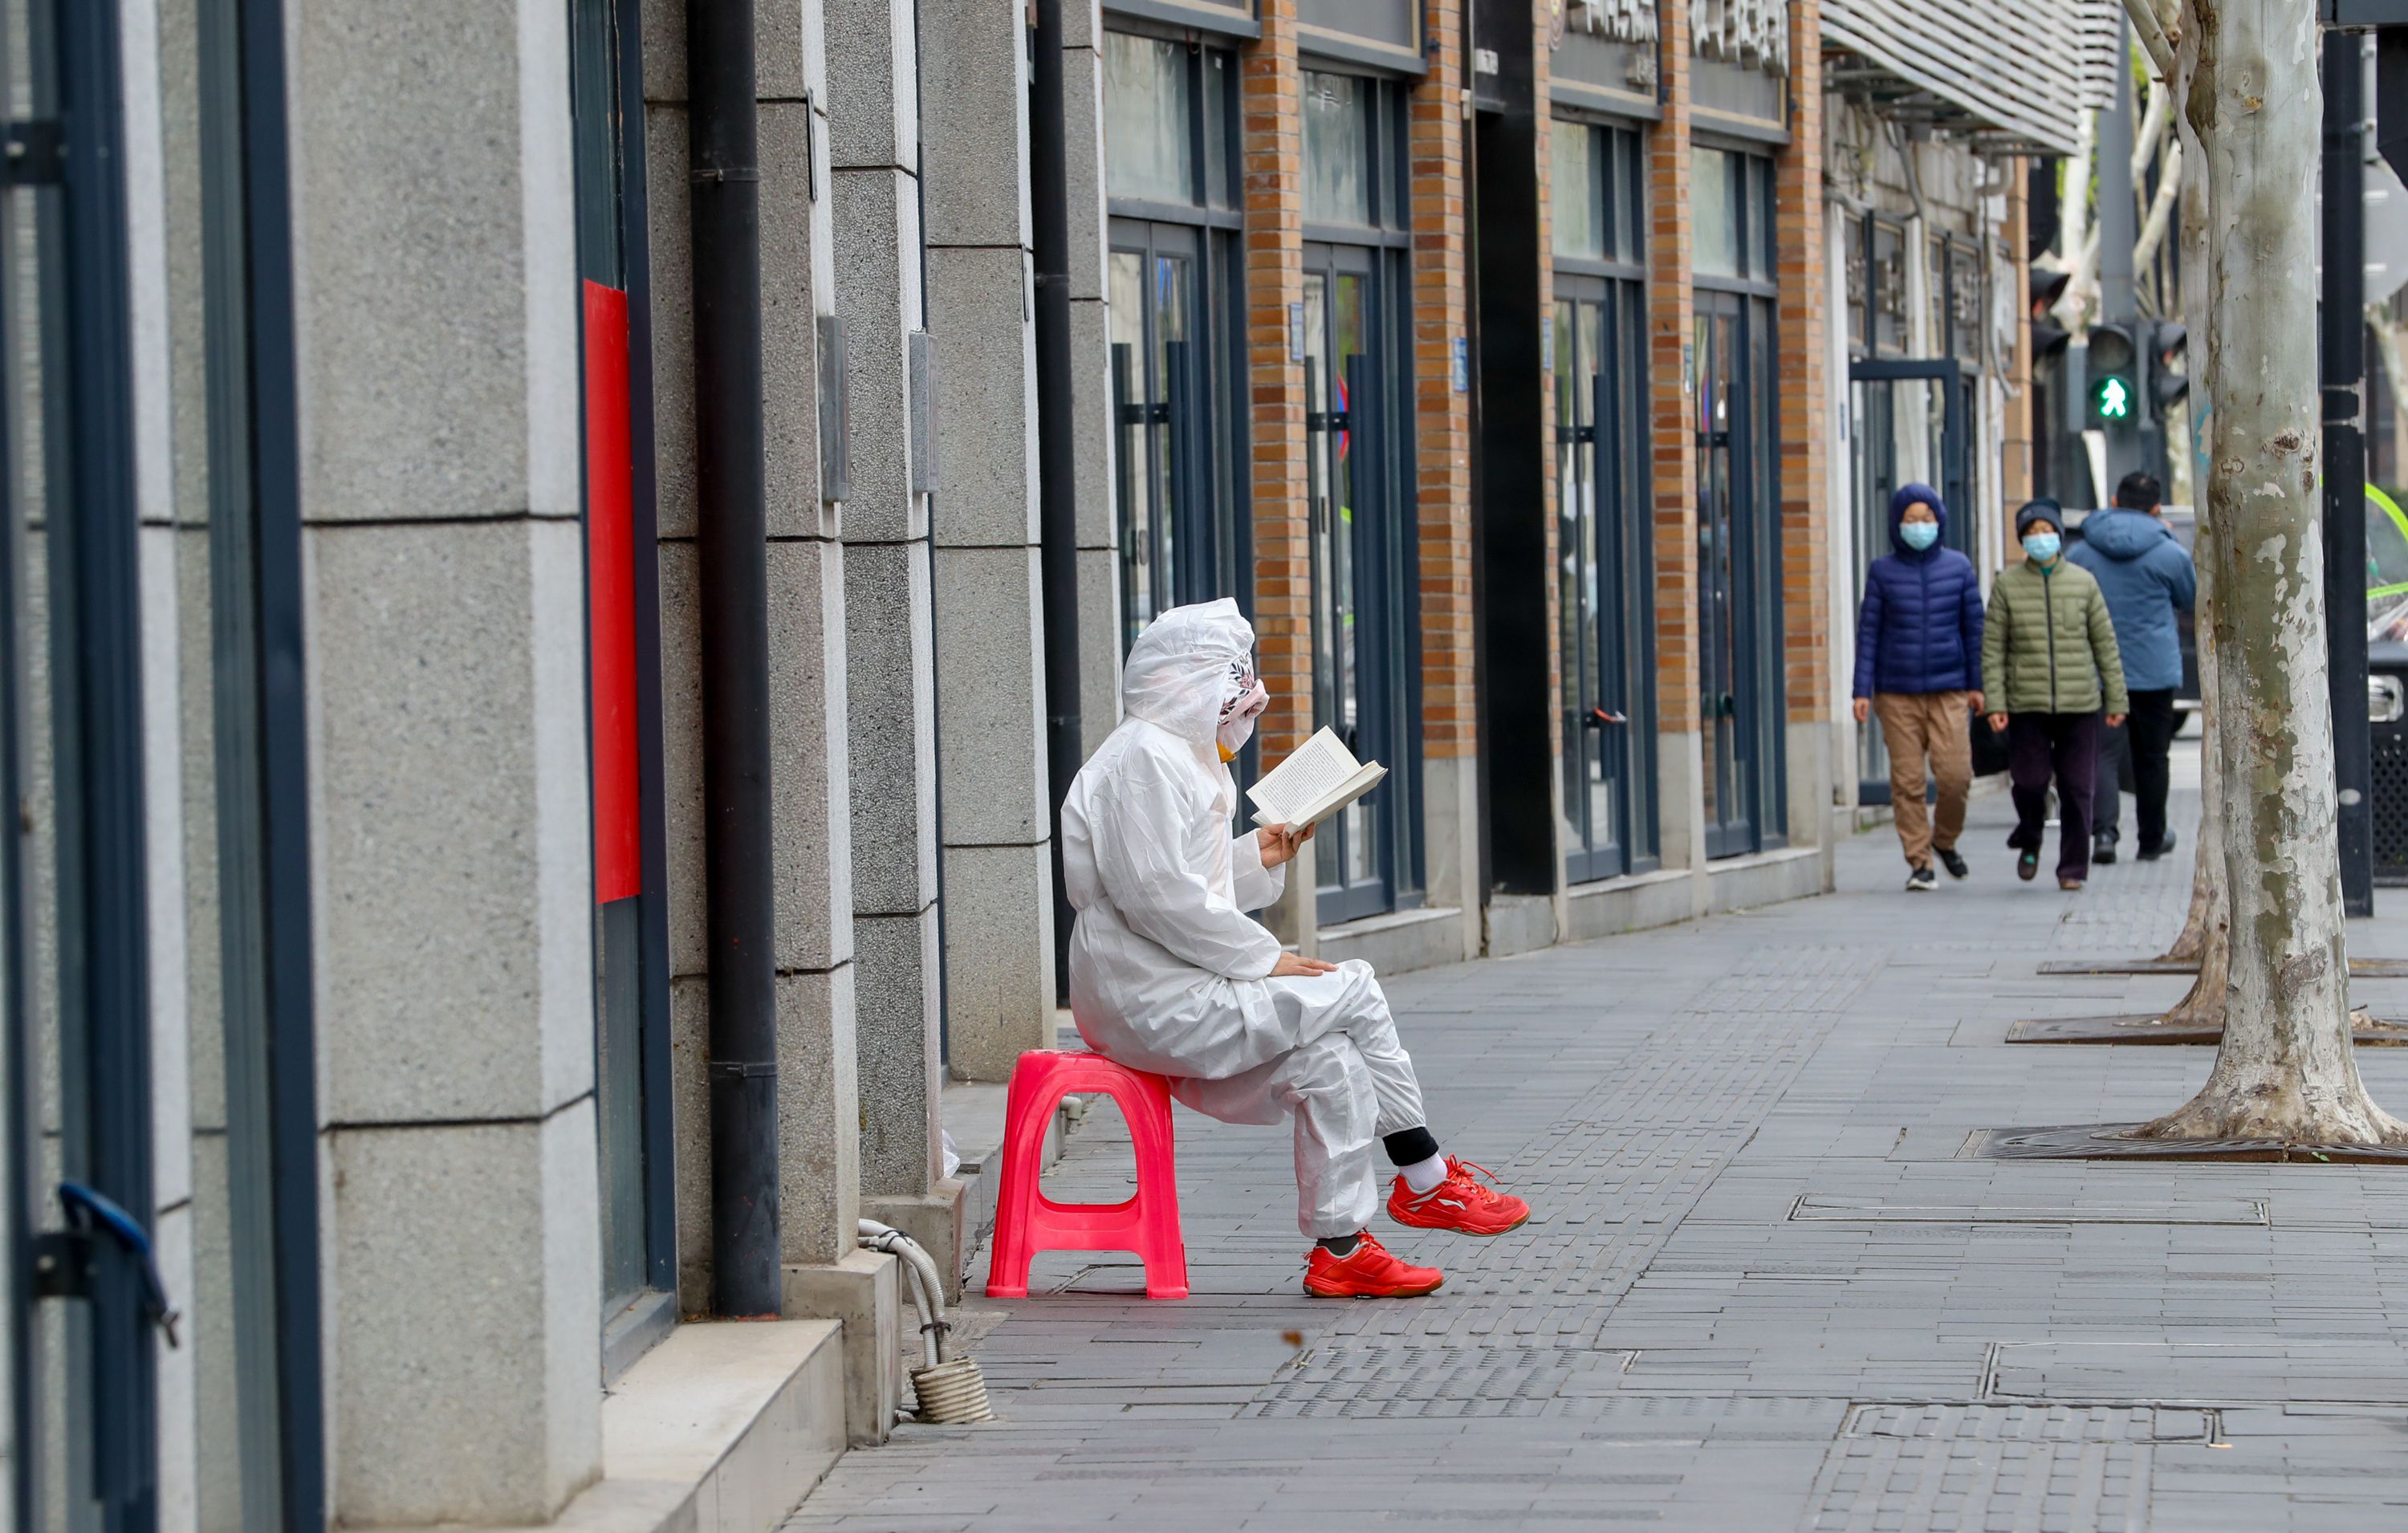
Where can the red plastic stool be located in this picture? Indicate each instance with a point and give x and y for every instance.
(1027, 1222)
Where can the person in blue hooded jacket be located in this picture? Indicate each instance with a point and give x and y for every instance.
(2145, 574)
(1919, 667)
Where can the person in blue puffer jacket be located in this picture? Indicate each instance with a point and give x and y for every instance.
(1919, 667)
(2147, 577)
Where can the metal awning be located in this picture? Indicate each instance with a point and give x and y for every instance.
(2014, 76)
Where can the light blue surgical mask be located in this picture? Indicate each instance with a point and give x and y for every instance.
(2043, 545)
(1919, 536)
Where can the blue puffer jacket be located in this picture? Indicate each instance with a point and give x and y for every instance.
(1921, 626)
(2144, 574)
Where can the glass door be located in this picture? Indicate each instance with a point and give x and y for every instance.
(1740, 575)
(1602, 574)
(1174, 548)
(1909, 418)
(1360, 570)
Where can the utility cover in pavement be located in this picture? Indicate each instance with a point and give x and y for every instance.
(2371, 1370)
(2203, 1211)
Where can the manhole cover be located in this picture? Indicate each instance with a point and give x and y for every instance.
(2203, 1210)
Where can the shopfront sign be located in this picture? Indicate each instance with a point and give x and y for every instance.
(1751, 33)
(1604, 53)
(1740, 81)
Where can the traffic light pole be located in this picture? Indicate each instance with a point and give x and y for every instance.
(2342, 351)
(2119, 310)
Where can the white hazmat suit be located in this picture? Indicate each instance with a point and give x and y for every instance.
(1168, 972)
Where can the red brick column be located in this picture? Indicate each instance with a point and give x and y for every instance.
(1670, 329)
(1441, 417)
(1274, 255)
(1805, 294)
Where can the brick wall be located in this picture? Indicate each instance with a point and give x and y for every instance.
(1669, 327)
(1273, 147)
(1442, 420)
(1801, 256)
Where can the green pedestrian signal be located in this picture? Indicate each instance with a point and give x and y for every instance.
(2113, 397)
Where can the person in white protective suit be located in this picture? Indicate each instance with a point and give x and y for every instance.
(1169, 975)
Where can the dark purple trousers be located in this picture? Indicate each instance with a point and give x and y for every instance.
(2064, 746)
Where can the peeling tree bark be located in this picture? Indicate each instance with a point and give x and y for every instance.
(2205, 924)
(2285, 1070)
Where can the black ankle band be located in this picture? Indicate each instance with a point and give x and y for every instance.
(1410, 1146)
(1341, 1245)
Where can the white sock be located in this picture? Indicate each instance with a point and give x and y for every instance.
(1424, 1175)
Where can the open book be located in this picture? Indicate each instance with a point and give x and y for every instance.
(1318, 779)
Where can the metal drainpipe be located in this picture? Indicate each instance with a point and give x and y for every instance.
(1057, 560)
(732, 525)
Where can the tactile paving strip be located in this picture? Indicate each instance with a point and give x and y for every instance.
(1418, 1380)
(1872, 1483)
(2032, 1423)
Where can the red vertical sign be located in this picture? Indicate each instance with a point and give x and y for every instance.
(610, 587)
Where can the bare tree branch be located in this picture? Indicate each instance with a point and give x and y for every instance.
(2153, 37)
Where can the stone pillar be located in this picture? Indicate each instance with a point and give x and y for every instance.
(1799, 257)
(874, 153)
(1273, 147)
(437, 337)
(1672, 395)
(1442, 480)
(1099, 553)
(999, 927)
(819, 1192)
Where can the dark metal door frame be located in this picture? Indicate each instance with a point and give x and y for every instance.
(1602, 723)
(99, 1258)
(1381, 545)
(1955, 465)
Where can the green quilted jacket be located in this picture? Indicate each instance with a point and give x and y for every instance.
(2048, 643)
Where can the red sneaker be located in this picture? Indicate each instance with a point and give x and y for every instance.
(1460, 1203)
(1367, 1271)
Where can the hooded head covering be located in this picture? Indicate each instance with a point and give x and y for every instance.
(2042, 510)
(2124, 534)
(1908, 494)
(1188, 663)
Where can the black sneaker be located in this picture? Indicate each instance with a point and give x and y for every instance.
(2102, 850)
(1920, 882)
(2151, 853)
(1954, 864)
(2028, 865)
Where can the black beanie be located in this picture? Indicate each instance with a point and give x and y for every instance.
(2042, 510)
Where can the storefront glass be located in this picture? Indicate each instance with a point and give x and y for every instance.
(1739, 548)
(1604, 536)
(1172, 282)
(1357, 376)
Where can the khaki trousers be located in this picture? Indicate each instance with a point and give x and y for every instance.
(1916, 724)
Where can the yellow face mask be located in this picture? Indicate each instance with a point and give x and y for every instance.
(1227, 756)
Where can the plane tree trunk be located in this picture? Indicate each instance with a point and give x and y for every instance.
(2285, 1070)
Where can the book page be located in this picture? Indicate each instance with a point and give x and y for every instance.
(1287, 791)
(1354, 786)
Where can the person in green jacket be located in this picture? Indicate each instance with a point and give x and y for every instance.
(2050, 666)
